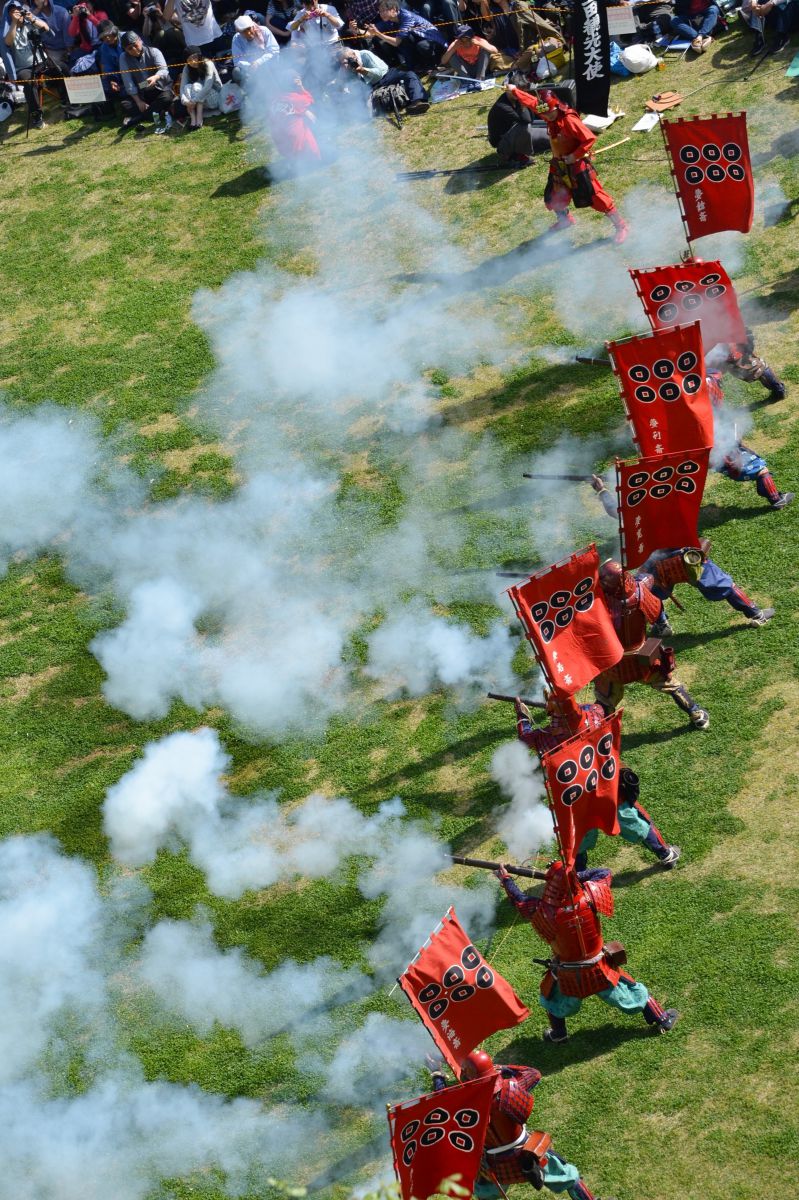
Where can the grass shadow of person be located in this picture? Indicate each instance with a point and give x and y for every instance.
(581, 1046)
(255, 179)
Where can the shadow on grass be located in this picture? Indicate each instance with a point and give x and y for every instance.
(344, 1168)
(581, 1046)
(501, 268)
(457, 750)
(628, 878)
(656, 736)
(714, 515)
(252, 180)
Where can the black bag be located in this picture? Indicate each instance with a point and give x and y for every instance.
(390, 99)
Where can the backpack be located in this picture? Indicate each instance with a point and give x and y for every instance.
(390, 99)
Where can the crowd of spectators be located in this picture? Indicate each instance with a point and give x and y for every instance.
(171, 60)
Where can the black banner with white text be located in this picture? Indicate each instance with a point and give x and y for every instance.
(592, 56)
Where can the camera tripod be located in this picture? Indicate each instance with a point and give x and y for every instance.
(40, 68)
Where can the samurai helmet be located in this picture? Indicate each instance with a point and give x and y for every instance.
(476, 1065)
(629, 785)
(547, 102)
(614, 580)
(556, 887)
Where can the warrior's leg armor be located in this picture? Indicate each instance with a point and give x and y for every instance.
(663, 1018)
(654, 841)
(772, 384)
(738, 599)
(557, 1031)
(766, 487)
(580, 1192)
(684, 700)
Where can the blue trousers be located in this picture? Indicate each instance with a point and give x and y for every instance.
(715, 584)
(699, 26)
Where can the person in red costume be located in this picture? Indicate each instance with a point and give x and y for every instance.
(291, 122)
(512, 1153)
(572, 177)
(566, 916)
(632, 605)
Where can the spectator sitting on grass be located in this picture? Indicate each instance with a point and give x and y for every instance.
(200, 87)
(419, 44)
(146, 79)
(108, 56)
(468, 54)
(84, 25)
(57, 40)
(771, 14)
(373, 72)
(278, 15)
(695, 20)
(253, 47)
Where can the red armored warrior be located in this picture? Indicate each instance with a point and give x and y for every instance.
(566, 916)
(512, 1153)
(572, 176)
(632, 606)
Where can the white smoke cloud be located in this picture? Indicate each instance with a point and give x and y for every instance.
(48, 460)
(118, 1134)
(175, 796)
(370, 1062)
(181, 963)
(413, 653)
(526, 824)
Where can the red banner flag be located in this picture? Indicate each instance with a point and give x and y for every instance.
(572, 635)
(662, 380)
(460, 999)
(712, 173)
(440, 1136)
(659, 500)
(699, 291)
(583, 781)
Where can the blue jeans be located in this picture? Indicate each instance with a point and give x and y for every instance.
(408, 79)
(701, 25)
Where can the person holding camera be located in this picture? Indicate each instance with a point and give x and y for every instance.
(373, 72)
(23, 34)
(145, 76)
(57, 40)
(84, 25)
(316, 25)
(417, 41)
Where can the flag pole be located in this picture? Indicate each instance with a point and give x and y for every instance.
(662, 123)
(422, 948)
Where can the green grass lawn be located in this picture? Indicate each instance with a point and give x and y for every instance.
(104, 243)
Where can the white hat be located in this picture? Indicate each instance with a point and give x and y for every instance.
(242, 23)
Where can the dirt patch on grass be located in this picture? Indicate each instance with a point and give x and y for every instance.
(184, 460)
(768, 847)
(75, 764)
(455, 779)
(165, 423)
(20, 687)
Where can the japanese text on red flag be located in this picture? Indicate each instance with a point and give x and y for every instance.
(459, 997)
(712, 172)
(659, 501)
(440, 1136)
(582, 777)
(698, 291)
(662, 381)
(572, 635)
